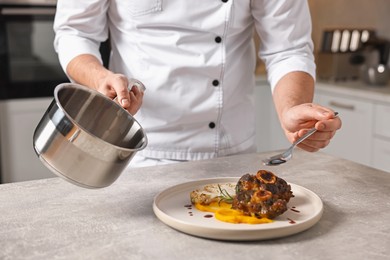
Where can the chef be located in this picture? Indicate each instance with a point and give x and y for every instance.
(197, 61)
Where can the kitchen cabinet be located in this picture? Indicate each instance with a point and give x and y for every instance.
(364, 110)
(381, 142)
(382, 121)
(353, 140)
(381, 154)
(18, 159)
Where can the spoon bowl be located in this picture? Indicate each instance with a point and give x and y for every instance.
(287, 155)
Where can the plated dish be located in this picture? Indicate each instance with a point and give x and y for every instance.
(173, 207)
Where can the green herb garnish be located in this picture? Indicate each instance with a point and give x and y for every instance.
(225, 196)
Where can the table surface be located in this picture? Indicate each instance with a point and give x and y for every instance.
(357, 89)
(350, 88)
(53, 219)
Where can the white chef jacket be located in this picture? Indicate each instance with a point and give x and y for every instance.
(197, 61)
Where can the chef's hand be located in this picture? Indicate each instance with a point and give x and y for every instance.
(87, 70)
(299, 119)
(115, 87)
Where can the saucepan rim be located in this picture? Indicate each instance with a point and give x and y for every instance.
(93, 92)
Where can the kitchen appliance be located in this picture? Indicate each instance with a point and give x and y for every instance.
(376, 75)
(29, 72)
(335, 59)
(87, 138)
(29, 64)
(377, 72)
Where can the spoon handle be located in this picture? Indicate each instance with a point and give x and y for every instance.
(309, 133)
(303, 137)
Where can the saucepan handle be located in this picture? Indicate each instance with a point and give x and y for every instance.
(133, 82)
(137, 83)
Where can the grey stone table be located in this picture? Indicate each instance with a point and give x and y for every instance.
(52, 219)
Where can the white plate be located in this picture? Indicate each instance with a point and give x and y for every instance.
(171, 206)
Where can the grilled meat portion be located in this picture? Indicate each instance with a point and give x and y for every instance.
(263, 195)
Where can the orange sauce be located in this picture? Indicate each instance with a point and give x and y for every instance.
(223, 211)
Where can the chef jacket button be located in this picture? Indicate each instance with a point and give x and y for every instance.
(218, 39)
(215, 83)
(225, 1)
(212, 125)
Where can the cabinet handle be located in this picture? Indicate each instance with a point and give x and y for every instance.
(341, 105)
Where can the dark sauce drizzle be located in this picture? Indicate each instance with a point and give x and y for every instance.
(291, 221)
(190, 213)
(189, 207)
(293, 208)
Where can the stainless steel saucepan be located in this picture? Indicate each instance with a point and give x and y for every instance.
(86, 138)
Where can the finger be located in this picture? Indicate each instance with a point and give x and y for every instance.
(318, 140)
(135, 104)
(332, 124)
(307, 148)
(135, 90)
(135, 94)
(316, 113)
(318, 135)
(119, 85)
(314, 145)
(306, 116)
(124, 98)
(107, 91)
(136, 99)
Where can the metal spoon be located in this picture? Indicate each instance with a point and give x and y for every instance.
(287, 155)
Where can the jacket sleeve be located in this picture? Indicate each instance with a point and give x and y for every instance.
(80, 27)
(284, 28)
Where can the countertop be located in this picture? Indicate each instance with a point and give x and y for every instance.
(351, 88)
(53, 219)
(357, 89)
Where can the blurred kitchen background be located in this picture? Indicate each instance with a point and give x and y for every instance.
(335, 14)
(348, 35)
